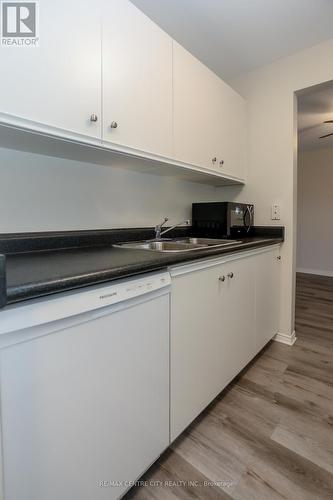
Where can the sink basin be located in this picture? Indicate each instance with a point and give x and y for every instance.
(161, 246)
(207, 242)
(177, 245)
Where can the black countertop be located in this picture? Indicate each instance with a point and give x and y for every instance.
(36, 273)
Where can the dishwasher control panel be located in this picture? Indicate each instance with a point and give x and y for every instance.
(131, 288)
(67, 304)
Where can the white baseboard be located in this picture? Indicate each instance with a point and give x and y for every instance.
(284, 338)
(319, 272)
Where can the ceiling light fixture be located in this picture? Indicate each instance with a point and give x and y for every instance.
(327, 135)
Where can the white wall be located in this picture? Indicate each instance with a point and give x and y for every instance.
(315, 212)
(272, 144)
(40, 193)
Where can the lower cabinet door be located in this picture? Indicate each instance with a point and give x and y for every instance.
(196, 345)
(267, 296)
(212, 335)
(239, 314)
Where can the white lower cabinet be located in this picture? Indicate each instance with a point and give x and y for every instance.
(85, 400)
(218, 323)
(267, 296)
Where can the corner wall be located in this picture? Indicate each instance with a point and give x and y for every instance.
(315, 212)
(272, 149)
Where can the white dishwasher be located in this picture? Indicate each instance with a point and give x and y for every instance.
(84, 390)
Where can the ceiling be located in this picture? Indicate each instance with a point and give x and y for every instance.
(315, 105)
(235, 36)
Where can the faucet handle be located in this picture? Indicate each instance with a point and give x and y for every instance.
(164, 221)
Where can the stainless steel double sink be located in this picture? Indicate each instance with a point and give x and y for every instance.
(177, 244)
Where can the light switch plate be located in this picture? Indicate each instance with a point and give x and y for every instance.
(275, 212)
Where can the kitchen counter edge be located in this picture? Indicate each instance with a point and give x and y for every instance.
(33, 289)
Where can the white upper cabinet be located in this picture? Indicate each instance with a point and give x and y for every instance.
(209, 117)
(137, 80)
(103, 72)
(57, 83)
(232, 132)
(196, 93)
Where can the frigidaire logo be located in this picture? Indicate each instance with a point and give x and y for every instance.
(19, 24)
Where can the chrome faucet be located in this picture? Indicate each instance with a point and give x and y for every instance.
(158, 228)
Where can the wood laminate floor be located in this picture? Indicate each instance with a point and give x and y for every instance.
(270, 434)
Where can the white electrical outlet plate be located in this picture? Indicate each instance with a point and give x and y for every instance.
(275, 212)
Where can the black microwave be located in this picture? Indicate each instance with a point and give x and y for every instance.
(222, 219)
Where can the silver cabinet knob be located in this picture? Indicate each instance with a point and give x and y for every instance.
(114, 125)
(221, 278)
(94, 118)
(214, 160)
(230, 275)
(221, 163)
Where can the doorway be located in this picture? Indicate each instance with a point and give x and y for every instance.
(315, 181)
(314, 258)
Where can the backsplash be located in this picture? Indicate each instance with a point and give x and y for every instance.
(39, 193)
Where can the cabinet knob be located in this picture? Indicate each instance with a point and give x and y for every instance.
(114, 125)
(230, 275)
(214, 160)
(221, 163)
(94, 118)
(221, 278)
(278, 257)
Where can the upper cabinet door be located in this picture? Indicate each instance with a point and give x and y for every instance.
(196, 120)
(57, 83)
(232, 132)
(209, 118)
(137, 80)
